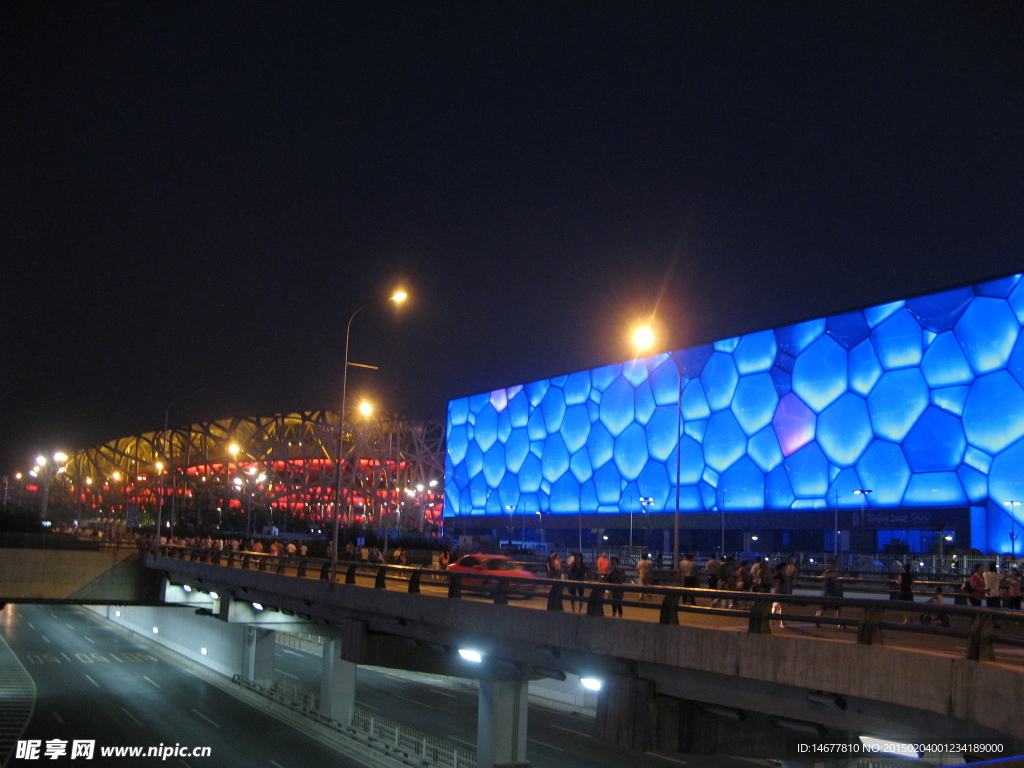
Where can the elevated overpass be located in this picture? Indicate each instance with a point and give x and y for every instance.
(674, 677)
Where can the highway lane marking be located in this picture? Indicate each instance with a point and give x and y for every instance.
(114, 657)
(443, 693)
(65, 656)
(291, 653)
(130, 715)
(58, 718)
(33, 626)
(215, 725)
(46, 639)
(97, 685)
(89, 639)
(662, 757)
(570, 730)
(286, 674)
(69, 626)
(272, 762)
(411, 701)
(549, 746)
(151, 682)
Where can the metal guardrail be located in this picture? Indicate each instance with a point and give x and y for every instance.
(379, 733)
(761, 609)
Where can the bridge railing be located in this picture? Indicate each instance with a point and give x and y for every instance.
(762, 610)
(398, 741)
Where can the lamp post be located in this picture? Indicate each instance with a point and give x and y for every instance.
(863, 493)
(511, 524)
(48, 470)
(159, 467)
(1013, 521)
(645, 502)
(398, 297)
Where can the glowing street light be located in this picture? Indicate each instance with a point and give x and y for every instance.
(643, 338)
(47, 471)
(398, 297)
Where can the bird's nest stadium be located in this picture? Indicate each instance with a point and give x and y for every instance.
(253, 473)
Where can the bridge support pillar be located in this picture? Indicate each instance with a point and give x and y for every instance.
(258, 655)
(337, 684)
(625, 712)
(501, 723)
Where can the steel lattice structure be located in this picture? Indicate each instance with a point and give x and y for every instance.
(392, 465)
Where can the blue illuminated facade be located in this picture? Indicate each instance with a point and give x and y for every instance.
(919, 401)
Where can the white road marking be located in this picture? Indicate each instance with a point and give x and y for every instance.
(69, 626)
(114, 657)
(130, 715)
(411, 701)
(45, 638)
(570, 730)
(272, 762)
(151, 682)
(663, 757)
(68, 658)
(549, 746)
(200, 714)
(443, 693)
(89, 639)
(94, 682)
(291, 653)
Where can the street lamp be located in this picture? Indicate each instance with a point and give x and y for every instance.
(863, 493)
(511, 524)
(645, 502)
(48, 471)
(398, 297)
(1013, 520)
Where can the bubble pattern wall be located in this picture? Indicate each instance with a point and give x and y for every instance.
(920, 401)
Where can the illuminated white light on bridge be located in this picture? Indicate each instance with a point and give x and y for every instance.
(203, 651)
(187, 588)
(156, 630)
(117, 613)
(257, 606)
(591, 683)
(215, 596)
(888, 747)
(475, 656)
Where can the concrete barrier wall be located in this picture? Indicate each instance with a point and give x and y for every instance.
(182, 631)
(50, 574)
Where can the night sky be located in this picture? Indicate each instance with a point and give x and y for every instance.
(195, 196)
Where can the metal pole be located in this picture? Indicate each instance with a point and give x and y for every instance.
(679, 458)
(341, 431)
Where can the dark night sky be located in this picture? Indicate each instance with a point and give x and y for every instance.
(200, 194)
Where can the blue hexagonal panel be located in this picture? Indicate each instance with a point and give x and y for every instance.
(987, 332)
(922, 401)
(819, 375)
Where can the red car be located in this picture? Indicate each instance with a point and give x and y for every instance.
(492, 565)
